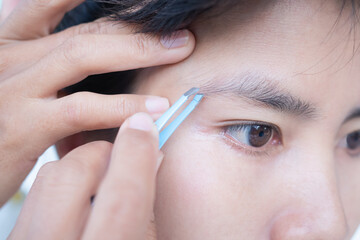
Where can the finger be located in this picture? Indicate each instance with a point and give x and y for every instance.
(20, 55)
(124, 201)
(75, 113)
(58, 204)
(35, 18)
(85, 55)
(151, 233)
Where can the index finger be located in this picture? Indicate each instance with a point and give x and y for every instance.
(124, 202)
(90, 54)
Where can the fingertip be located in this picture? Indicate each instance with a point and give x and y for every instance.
(156, 105)
(182, 42)
(177, 39)
(141, 122)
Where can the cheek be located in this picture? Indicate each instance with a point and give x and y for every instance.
(188, 177)
(201, 191)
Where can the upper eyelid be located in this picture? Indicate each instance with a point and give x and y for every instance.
(345, 132)
(342, 142)
(251, 122)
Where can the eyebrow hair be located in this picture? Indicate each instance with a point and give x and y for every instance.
(262, 90)
(354, 114)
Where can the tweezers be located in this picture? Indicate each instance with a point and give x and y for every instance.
(163, 120)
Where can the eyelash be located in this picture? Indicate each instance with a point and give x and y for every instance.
(274, 141)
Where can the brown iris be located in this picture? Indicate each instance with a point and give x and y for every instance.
(353, 140)
(259, 135)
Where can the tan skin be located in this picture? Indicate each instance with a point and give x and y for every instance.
(301, 184)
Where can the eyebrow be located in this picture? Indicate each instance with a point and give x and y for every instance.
(354, 114)
(261, 89)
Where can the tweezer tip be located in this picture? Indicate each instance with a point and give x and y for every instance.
(191, 92)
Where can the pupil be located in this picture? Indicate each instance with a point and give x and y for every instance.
(353, 140)
(259, 135)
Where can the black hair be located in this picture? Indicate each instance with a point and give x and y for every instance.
(160, 17)
(148, 16)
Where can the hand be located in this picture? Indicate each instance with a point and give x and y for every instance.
(35, 65)
(122, 178)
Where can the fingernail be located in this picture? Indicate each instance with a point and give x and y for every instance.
(176, 40)
(141, 121)
(156, 104)
(159, 161)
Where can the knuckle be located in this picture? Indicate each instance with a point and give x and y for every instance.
(75, 49)
(73, 109)
(142, 46)
(125, 107)
(89, 28)
(96, 27)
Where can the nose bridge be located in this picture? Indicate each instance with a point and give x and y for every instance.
(313, 208)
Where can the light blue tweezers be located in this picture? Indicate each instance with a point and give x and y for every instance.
(170, 129)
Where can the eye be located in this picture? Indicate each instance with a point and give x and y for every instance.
(253, 136)
(353, 142)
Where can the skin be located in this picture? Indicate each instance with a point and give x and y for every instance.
(302, 185)
(305, 187)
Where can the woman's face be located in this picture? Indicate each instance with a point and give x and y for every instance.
(273, 150)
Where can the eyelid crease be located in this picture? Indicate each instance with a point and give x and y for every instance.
(249, 122)
(354, 114)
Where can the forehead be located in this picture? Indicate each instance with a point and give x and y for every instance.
(306, 46)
